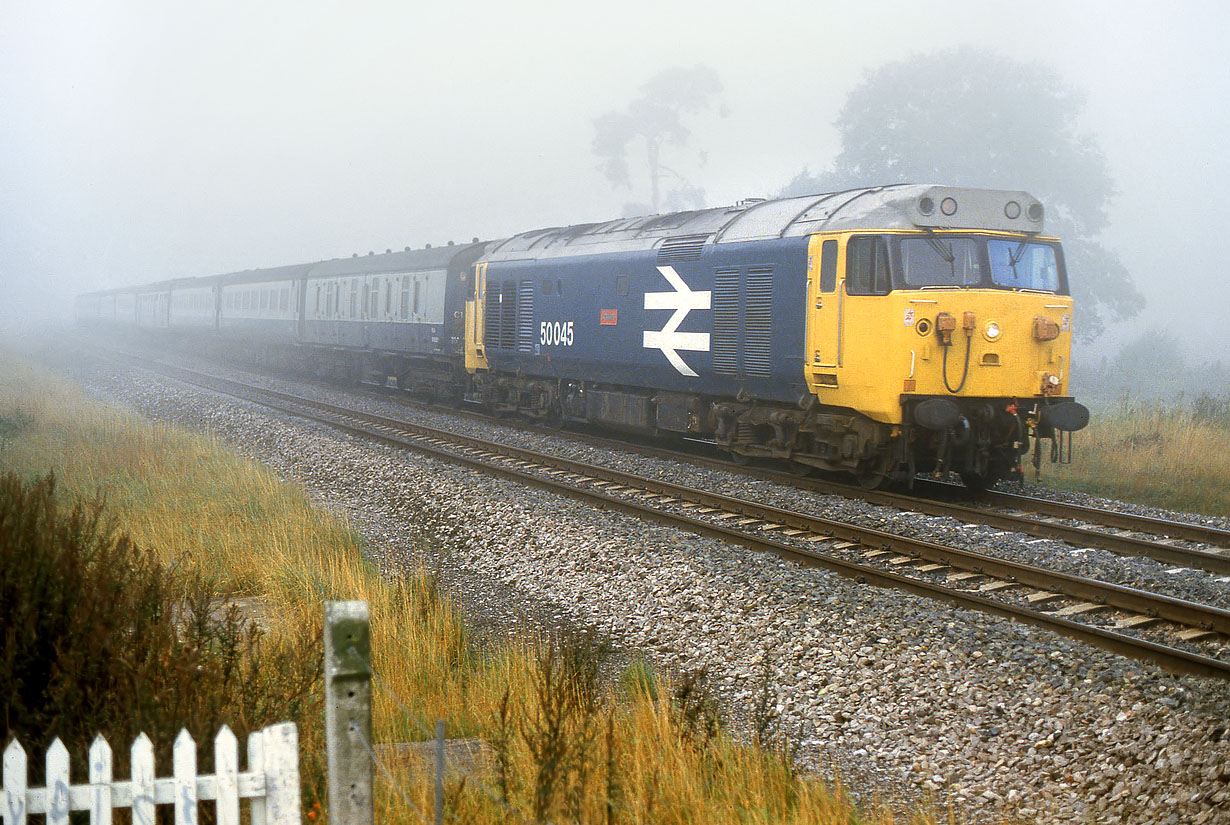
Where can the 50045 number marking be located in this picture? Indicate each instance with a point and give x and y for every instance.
(555, 333)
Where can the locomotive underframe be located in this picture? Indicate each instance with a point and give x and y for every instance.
(982, 439)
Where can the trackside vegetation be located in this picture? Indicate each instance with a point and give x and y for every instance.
(1172, 454)
(151, 568)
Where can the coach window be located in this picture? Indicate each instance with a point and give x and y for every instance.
(828, 266)
(867, 266)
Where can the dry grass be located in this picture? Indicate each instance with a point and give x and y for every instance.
(568, 746)
(1174, 456)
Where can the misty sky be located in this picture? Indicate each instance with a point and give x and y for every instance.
(147, 140)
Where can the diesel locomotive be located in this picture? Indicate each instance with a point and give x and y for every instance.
(882, 332)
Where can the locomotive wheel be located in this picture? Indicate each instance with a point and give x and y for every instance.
(871, 479)
(740, 459)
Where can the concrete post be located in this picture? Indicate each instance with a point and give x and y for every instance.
(348, 712)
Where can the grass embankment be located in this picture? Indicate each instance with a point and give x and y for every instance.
(1175, 456)
(564, 745)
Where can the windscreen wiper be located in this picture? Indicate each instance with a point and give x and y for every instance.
(946, 253)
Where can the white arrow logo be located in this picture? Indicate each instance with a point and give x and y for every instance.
(683, 300)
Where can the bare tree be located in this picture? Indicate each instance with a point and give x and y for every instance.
(656, 119)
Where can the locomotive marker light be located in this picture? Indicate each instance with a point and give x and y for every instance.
(1045, 329)
(992, 331)
(683, 300)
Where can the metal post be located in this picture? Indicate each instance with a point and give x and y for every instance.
(348, 712)
(439, 772)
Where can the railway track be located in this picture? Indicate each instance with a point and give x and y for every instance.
(1177, 543)
(1122, 533)
(1059, 602)
(1127, 534)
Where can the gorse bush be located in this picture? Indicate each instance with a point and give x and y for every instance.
(99, 637)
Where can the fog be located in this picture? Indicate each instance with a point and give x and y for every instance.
(147, 140)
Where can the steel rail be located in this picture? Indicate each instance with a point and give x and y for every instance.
(435, 442)
(1210, 561)
(1199, 533)
(1177, 610)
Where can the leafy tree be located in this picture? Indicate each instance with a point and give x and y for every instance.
(656, 120)
(971, 118)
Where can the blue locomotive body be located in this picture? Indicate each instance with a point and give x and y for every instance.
(722, 321)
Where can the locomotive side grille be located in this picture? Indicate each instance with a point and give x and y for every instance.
(758, 323)
(502, 315)
(725, 342)
(683, 248)
(508, 315)
(492, 333)
(525, 316)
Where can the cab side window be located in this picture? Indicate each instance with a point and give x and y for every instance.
(867, 268)
(828, 266)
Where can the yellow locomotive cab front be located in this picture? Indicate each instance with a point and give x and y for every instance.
(957, 341)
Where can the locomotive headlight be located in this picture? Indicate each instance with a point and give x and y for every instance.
(992, 331)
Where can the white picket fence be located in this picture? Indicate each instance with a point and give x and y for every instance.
(271, 782)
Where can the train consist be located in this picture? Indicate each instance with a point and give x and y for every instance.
(882, 332)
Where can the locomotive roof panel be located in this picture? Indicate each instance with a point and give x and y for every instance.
(893, 207)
